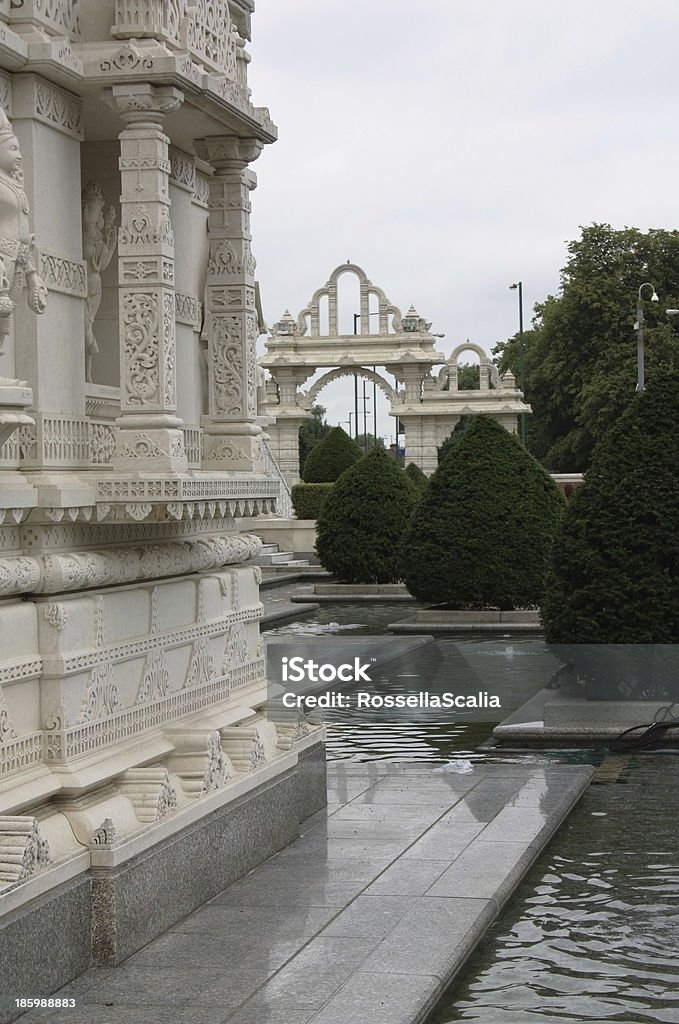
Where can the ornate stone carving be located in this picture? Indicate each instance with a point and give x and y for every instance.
(226, 450)
(102, 443)
(61, 274)
(17, 250)
(224, 260)
(59, 17)
(188, 310)
(140, 334)
(156, 679)
(23, 851)
(201, 666)
(99, 244)
(245, 747)
(217, 769)
(56, 615)
(7, 729)
(201, 192)
(6, 93)
(64, 571)
(58, 108)
(182, 170)
(128, 58)
(150, 791)
(102, 697)
(227, 365)
(106, 834)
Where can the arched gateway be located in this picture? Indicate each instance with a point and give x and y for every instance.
(428, 404)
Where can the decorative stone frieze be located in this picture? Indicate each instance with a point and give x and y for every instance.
(149, 431)
(182, 170)
(188, 310)
(59, 572)
(43, 101)
(231, 433)
(23, 851)
(62, 274)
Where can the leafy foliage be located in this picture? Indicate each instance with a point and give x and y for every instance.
(311, 432)
(468, 377)
(416, 476)
(330, 457)
(580, 356)
(481, 535)
(615, 576)
(308, 499)
(360, 526)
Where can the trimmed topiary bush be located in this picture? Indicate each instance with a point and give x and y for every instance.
(359, 529)
(416, 476)
(308, 499)
(483, 531)
(615, 568)
(328, 459)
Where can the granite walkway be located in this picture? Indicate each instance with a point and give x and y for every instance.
(365, 919)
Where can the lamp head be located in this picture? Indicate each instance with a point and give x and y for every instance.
(654, 297)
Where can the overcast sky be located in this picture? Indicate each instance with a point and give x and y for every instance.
(451, 148)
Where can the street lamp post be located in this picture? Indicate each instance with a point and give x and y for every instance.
(522, 363)
(639, 327)
(357, 317)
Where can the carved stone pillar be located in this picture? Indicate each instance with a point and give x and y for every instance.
(149, 434)
(232, 435)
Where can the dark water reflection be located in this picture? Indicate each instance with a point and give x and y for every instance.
(593, 932)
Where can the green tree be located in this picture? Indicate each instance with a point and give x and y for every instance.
(468, 377)
(360, 526)
(615, 570)
(416, 476)
(311, 432)
(580, 356)
(482, 534)
(367, 441)
(330, 457)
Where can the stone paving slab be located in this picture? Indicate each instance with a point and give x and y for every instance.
(365, 919)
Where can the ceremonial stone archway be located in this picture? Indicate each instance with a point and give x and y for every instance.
(428, 405)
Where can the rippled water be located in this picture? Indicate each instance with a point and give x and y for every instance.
(593, 932)
(514, 669)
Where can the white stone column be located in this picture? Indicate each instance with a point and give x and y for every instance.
(231, 434)
(149, 432)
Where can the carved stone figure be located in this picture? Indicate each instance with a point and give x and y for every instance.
(16, 242)
(99, 244)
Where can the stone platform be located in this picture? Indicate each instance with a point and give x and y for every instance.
(364, 919)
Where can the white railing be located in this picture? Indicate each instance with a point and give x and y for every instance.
(58, 17)
(284, 503)
(203, 27)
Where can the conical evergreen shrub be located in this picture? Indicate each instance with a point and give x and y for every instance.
(359, 528)
(482, 534)
(328, 459)
(615, 569)
(416, 476)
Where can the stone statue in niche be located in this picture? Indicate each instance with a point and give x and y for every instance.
(99, 244)
(17, 245)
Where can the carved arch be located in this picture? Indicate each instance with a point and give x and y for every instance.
(385, 308)
(308, 398)
(488, 372)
